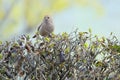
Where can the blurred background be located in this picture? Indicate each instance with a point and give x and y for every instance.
(19, 17)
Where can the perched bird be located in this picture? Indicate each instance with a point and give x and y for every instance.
(46, 26)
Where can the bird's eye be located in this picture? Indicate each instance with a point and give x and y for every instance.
(48, 17)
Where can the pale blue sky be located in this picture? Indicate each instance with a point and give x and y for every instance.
(87, 17)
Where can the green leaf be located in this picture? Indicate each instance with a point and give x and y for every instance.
(47, 39)
(1, 56)
(65, 35)
(0, 42)
(90, 30)
(67, 50)
(86, 45)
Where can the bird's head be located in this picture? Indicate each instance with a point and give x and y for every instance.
(47, 18)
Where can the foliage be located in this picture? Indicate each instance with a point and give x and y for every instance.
(63, 56)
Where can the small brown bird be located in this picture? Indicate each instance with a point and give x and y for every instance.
(46, 26)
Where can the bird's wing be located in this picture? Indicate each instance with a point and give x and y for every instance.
(39, 27)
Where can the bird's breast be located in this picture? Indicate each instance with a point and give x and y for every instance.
(46, 29)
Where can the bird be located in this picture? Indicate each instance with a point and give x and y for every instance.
(46, 27)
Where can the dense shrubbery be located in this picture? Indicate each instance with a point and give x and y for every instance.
(63, 56)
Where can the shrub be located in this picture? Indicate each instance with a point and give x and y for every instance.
(74, 56)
